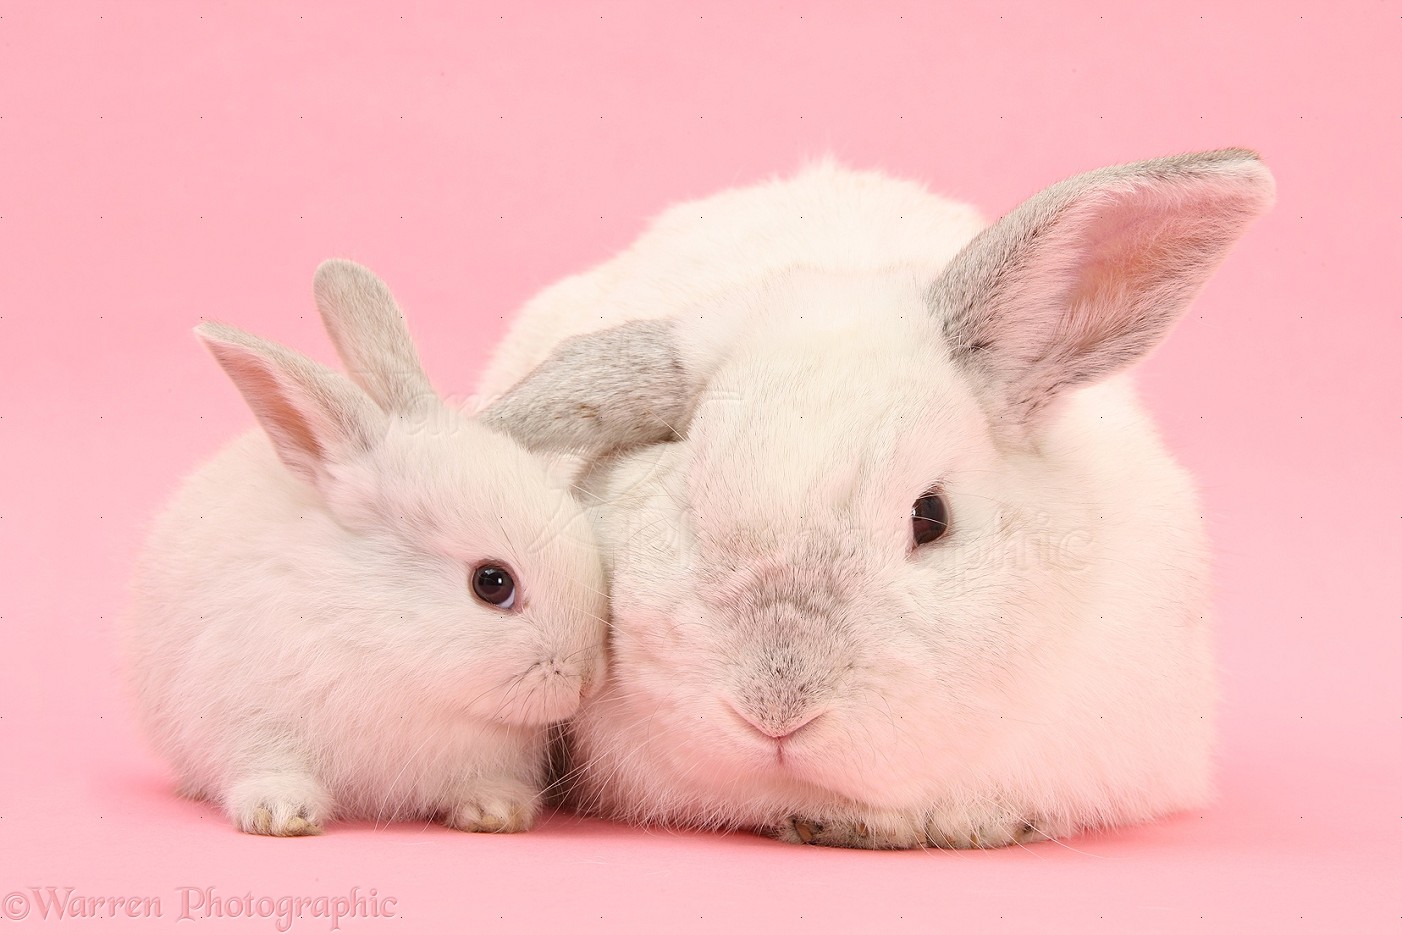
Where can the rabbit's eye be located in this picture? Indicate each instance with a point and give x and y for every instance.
(494, 585)
(929, 518)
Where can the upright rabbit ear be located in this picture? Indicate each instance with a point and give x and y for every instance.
(314, 416)
(614, 389)
(370, 335)
(1086, 277)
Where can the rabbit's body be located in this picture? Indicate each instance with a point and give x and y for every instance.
(784, 656)
(304, 642)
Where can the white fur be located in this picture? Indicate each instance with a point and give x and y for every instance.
(304, 642)
(1045, 668)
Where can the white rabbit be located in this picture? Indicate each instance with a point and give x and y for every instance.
(896, 559)
(374, 607)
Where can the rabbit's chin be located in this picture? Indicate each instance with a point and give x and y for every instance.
(756, 793)
(535, 698)
(625, 762)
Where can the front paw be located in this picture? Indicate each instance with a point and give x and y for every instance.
(829, 833)
(942, 829)
(970, 830)
(284, 806)
(493, 807)
(279, 819)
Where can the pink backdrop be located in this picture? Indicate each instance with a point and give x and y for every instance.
(160, 162)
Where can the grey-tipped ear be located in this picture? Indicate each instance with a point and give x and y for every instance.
(600, 392)
(370, 335)
(314, 416)
(1086, 277)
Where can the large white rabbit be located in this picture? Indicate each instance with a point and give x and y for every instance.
(896, 559)
(371, 608)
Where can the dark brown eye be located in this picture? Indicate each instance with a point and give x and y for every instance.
(494, 585)
(929, 518)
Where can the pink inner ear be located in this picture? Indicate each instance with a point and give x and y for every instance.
(1128, 245)
(1139, 251)
(287, 425)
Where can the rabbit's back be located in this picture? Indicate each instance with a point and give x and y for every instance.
(826, 217)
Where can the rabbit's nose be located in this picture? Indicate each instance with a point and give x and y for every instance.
(776, 725)
(584, 668)
(561, 668)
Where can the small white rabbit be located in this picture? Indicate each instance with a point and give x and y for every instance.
(896, 559)
(372, 608)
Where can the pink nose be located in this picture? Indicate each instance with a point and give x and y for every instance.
(777, 728)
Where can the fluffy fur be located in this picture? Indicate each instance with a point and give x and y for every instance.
(783, 657)
(304, 642)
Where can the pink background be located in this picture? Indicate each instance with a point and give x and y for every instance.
(160, 162)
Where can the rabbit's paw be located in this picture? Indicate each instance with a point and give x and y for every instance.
(828, 833)
(939, 829)
(494, 807)
(285, 806)
(966, 830)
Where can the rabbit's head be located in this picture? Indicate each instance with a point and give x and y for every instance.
(461, 574)
(863, 530)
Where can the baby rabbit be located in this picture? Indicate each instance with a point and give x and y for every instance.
(896, 558)
(374, 607)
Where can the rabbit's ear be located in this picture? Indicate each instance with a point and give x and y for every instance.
(610, 390)
(370, 335)
(1086, 277)
(315, 417)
